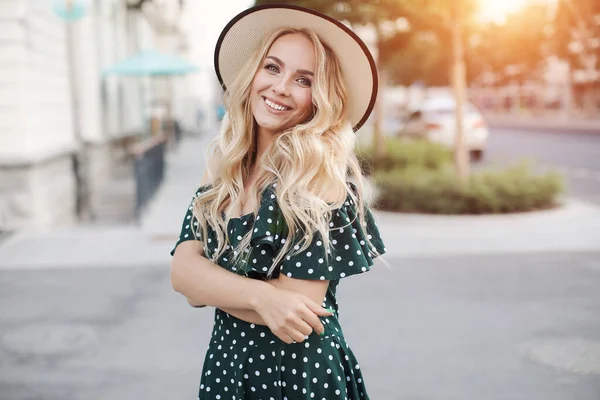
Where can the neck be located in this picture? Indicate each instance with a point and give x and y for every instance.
(264, 138)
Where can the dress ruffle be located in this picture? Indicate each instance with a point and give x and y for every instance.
(248, 361)
(349, 254)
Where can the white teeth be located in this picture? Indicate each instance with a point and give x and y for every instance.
(275, 106)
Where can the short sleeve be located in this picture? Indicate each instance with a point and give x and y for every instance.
(189, 226)
(350, 250)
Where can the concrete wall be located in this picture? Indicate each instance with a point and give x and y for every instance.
(54, 104)
(58, 111)
(35, 113)
(37, 187)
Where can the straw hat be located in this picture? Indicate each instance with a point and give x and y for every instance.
(247, 30)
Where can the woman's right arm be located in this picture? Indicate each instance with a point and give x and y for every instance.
(289, 315)
(203, 282)
(193, 275)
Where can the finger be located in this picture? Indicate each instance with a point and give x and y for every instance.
(303, 327)
(314, 321)
(296, 335)
(287, 339)
(312, 318)
(284, 337)
(317, 309)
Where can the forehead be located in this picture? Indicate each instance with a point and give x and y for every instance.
(294, 49)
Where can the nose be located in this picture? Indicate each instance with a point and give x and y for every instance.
(281, 86)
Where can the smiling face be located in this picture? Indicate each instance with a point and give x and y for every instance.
(281, 94)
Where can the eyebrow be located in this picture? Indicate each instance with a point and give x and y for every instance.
(302, 71)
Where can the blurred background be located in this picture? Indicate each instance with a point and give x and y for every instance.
(483, 163)
(89, 84)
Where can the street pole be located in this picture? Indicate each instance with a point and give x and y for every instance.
(461, 159)
(79, 164)
(378, 145)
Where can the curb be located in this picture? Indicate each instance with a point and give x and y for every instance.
(537, 124)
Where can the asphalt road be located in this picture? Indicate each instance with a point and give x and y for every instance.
(494, 327)
(574, 153)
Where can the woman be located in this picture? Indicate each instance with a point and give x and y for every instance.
(276, 225)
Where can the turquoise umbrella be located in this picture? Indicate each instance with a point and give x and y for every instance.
(151, 62)
(156, 64)
(70, 10)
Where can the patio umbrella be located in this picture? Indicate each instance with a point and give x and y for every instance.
(153, 63)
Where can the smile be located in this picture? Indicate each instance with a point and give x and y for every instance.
(275, 106)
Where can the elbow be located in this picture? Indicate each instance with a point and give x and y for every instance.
(180, 281)
(176, 276)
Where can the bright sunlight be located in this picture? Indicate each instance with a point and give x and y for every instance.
(497, 10)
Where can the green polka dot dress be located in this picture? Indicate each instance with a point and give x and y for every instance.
(248, 362)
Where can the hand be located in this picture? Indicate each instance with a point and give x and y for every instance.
(291, 316)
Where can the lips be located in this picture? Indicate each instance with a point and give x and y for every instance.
(275, 106)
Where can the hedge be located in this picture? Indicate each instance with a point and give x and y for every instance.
(404, 154)
(438, 191)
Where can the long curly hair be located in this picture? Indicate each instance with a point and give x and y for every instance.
(310, 162)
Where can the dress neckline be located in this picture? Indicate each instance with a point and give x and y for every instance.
(245, 216)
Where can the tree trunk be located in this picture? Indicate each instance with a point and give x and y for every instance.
(567, 101)
(378, 140)
(461, 159)
(589, 99)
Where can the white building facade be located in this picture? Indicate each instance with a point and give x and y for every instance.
(59, 117)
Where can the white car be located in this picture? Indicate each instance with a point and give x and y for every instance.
(435, 121)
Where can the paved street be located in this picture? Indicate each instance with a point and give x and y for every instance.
(491, 327)
(473, 307)
(576, 153)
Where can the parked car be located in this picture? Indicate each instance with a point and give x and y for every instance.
(434, 120)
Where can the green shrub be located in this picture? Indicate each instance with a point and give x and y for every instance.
(514, 189)
(402, 154)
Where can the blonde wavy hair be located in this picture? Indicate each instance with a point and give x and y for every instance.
(311, 162)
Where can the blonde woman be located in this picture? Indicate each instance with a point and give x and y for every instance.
(276, 225)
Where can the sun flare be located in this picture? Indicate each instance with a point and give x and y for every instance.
(497, 10)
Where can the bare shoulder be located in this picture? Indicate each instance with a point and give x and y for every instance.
(211, 170)
(334, 193)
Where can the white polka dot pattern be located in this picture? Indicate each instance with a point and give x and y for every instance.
(246, 361)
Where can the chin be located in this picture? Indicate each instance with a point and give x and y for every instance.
(270, 125)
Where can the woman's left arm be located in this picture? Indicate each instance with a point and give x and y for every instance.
(315, 290)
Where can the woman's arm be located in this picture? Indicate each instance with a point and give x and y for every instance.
(315, 290)
(204, 283)
(290, 315)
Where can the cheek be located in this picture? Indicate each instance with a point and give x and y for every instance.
(305, 102)
(259, 82)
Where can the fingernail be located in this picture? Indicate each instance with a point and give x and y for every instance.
(322, 333)
(331, 310)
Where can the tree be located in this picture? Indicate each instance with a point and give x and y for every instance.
(439, 17)
(519, 41)
(375, 13)
(576, 40)
(447, 21)
(423, 59)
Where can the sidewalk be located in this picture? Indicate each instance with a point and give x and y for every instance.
(185, 167)
(574, 227)
(542, 122)
(93, 246)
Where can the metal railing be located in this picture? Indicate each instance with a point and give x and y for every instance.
(149, 170)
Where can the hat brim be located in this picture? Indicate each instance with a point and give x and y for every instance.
(247, 30)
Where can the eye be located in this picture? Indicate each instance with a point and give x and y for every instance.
(304, 81)
(272, 67)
